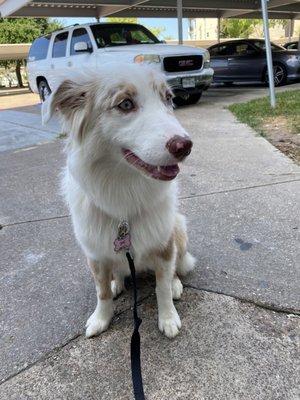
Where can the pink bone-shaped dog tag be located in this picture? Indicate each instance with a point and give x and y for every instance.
(123, 241)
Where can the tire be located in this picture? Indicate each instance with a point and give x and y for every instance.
(44, 90)
(187, 100)
(280, 75)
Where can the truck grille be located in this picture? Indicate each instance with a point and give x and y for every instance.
(182, 63)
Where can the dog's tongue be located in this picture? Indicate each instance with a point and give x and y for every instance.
(169, 170)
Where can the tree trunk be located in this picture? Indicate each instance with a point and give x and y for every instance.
(18, 73)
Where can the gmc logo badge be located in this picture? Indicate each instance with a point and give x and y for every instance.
(186, 63)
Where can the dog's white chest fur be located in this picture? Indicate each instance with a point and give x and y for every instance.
(96, 228)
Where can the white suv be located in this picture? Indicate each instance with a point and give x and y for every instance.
(187, 69)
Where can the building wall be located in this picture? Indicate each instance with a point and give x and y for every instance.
(207, 29)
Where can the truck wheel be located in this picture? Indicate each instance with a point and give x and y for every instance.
(187, 100)
(44, 90)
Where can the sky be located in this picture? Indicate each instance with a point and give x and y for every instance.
(169, 23)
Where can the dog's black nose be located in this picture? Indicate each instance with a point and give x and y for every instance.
(179, 146)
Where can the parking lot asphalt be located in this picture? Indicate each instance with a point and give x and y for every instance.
(240, 310)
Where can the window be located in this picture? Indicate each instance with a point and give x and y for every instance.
(214, 51)
(60, 45)
(243, 49)
(261, 45)
(39, 48)
(107, 35)
(292, 46)
(79, 35)
(221, 50)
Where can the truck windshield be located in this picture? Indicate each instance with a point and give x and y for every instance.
(107, 35)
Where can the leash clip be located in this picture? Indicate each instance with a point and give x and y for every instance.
(123, 241)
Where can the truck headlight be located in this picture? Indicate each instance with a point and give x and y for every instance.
(206, 59)
(147, 58)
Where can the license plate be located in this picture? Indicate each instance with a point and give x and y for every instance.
(188, 82)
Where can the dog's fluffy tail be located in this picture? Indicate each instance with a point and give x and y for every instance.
(185, 264)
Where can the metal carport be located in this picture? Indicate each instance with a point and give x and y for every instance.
(278, 9)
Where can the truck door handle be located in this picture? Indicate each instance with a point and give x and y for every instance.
(69, 63)
(230, 59)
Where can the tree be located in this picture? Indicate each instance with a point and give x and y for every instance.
(238, 28)
(243, 28)
(124, 20)
(158, 31)
(23, 30)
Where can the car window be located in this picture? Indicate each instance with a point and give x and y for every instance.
(292, 46)
(242, 49)
(79, 35)
(261, 45)
(221, 50)
(214, 51)
(122, 34)
(39, 48)
(60, 45)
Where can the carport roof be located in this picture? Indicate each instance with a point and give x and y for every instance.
(281, 9)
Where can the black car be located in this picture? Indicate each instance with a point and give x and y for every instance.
(291, 45)
(245, 60)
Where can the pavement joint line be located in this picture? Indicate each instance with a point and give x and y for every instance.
(238, 189)
(74, 338)
(180, 198)
(265, 306)
(33, 221)
(29, 127)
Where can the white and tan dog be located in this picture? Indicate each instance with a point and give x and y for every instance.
(123, 149)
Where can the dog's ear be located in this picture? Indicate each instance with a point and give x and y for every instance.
(68, 98)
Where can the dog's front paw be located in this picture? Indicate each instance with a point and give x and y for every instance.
(98, 322)
(170, 325)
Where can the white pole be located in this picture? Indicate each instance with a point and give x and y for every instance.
(290, 29)
(264, 9)
(179, 19)
(219, 28)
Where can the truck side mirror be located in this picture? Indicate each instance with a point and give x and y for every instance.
(82, 47)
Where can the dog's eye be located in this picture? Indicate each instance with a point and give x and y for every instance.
(126, 105)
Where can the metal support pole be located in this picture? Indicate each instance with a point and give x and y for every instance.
(219, 28)
(264, 9)
(291, 28)
(179, 20)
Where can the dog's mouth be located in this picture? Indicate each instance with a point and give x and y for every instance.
(160, 172)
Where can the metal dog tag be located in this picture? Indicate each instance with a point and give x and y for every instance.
(123, 241)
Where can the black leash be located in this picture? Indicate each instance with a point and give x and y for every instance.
(136, 373)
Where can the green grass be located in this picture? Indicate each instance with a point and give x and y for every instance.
(256, 113)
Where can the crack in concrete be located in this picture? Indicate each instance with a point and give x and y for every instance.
(180, 198)
(238, 189)
(260, 304)
(76, 337)
(58, 348)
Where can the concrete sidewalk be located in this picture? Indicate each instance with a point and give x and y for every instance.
(240, 336)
